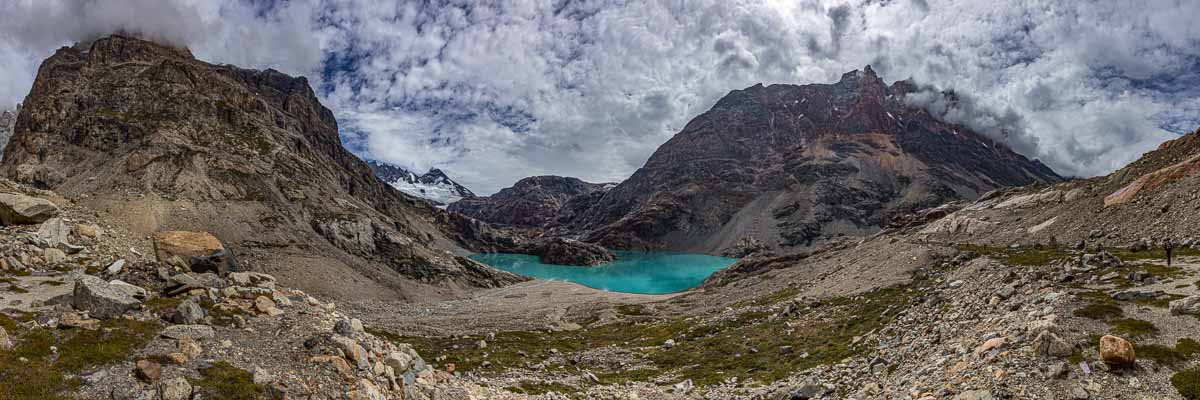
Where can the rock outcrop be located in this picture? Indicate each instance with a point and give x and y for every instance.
(126, 125)
(8, 120)
(563, 251)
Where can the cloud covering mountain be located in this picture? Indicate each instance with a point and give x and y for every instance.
(509, 89)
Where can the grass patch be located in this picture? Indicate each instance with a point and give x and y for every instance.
(1029, 256)
(1160, 354)
(540, 388)
(1100, 311)
(46, 375)
(1187, 382)
(1133, 328)
(222, 380)
(1188, 347)
(636, 310)
(746, 347)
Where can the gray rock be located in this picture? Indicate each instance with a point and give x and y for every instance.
(1049, 344)
(1186, 306)
(6, 343)
(342, 327)
(175, 389)
(52, 233)
(17, 208)
(187, 313)
(133, 290)
(975, 395)
(1132, 295)
(810, 390)
(102, 300)
(197, 332)
(115, 267)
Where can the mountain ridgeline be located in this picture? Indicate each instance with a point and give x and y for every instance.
(160, 140)
(789, 166)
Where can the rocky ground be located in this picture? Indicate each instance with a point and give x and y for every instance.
(89, 311)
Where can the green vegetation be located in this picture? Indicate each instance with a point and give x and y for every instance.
(45, 375)
(636, 310)
(224, 381)
(1187, 382)
(748, 346)
(1160, 354)
(1100, 311)
(1133, 328)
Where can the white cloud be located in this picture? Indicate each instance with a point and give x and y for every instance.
(497, 91)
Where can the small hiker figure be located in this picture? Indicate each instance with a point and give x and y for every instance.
(1168, 245)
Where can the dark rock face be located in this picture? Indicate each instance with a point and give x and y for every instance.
(534, 202)
(562, 251)
(127, 125)
(794, 166)
(8, 120)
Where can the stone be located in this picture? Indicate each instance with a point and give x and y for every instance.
(356, 325)
(115, 267)
(1049, 344)
(1116, 351)
(52, 233)
(87, 230)
(989, 345)
(54, 256)
(809, 390)
(147, 370)
(338, 363)
(133, 290)
(262, 377)
(399, 361)
(482, 344)
(175, 389)
(198, 251)
(6, 342)
(20, 209)
(101, 299)
(342, 327)
(1133, 295)
(366, 390)
(1186, 306)
(263, 304)
(669, 343)
(189, 347)
(177, 358)
(681, 387)
(187, 313)
(77, 320)
(198, 332)
(353, 351)
(1057, 370)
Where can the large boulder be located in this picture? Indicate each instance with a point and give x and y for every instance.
(199, 251)
(17, 208)
(562, 251)
(1185, 306)
(102, 300)
(1116, 351)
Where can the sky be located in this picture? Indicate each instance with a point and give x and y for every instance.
(494, 91)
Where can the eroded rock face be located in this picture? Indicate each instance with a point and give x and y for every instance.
(562, 251)
(253, 155)
(798, 165)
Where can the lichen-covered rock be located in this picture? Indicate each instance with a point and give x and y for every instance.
(102, 300)
(1117, 351)
(16, 208)
(1185, 306)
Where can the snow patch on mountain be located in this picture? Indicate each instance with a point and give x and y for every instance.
(434, 185)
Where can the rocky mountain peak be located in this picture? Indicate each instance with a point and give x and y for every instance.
(130, 125)
(534, 202)
(434, 185)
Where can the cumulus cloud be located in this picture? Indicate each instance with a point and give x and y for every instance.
(495, 91)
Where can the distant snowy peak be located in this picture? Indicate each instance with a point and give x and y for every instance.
(434, 185)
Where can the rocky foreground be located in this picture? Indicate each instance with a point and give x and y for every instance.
(89, 311)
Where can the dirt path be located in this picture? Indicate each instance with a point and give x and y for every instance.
(533, 305)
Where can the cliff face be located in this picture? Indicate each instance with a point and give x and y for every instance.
(164, 141)
(533, 203)
(795, 165)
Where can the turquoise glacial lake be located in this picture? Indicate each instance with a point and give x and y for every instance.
(632, 272)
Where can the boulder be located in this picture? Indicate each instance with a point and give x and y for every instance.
(52, 233)
(188, 312)
(175, 389)
(198, 332)
(199, 251)
(6, 343)
(353, 351)
(147, 370)
(1116, 351)
(17, 208)
(101, 299)
(1186, 306)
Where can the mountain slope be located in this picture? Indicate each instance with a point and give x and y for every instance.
(533, 202)
(8, 120)
(160, 140)
(434, 185)
(792, 166)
